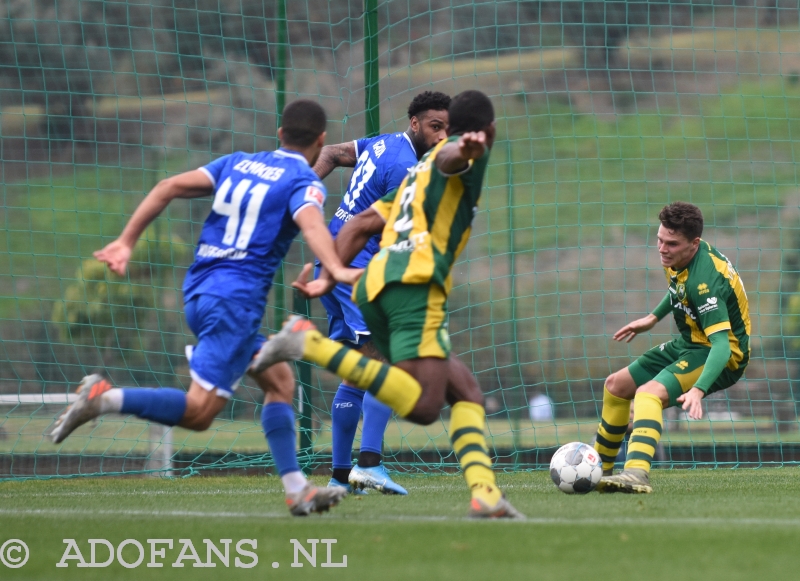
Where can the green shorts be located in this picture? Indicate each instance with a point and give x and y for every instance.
(677, 365)
(407, 321)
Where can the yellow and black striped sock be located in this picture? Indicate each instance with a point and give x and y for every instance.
(467, 424)
(612, 428)
(390, 385)
(647, 426)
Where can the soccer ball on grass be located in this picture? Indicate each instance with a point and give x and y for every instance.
(576, 468)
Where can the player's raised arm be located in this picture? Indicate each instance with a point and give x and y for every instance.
(333, 156)
(191, 184)
(454, 157)
(319, 239)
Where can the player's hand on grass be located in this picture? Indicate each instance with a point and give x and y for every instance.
(692, 402)
(116, 255)
(629, 331)
(472, 145)
(315, 288)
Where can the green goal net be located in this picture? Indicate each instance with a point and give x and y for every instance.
(606, 111)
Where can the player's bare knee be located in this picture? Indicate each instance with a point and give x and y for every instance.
(198, 421)
(425, 415)
(656, 389)
(277, 380)
(618, 387)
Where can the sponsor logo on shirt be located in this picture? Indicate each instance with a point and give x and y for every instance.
(315, 196)
(702, 289)
(209, 251)
(708, 306)
(685, 309)
(343, 215)
(414, 242)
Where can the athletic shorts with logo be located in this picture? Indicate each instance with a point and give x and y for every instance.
(677, 365)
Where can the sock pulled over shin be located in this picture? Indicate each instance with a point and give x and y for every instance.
(376, 417)
(647, 427)
(277, 419)
(613, 425)
(345, 413)
(390, 385)
(165, 405)
(467, 425)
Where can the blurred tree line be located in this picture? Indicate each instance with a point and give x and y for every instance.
(64, 53)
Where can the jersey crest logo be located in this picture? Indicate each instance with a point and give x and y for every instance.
(379, 148)
(681, 292)
(315, 196)
(703, 288)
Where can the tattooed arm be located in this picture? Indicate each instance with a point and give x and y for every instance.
(333, 156)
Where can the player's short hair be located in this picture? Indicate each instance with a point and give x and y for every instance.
(469, 111)
(682, 217)
(428, 101)
(302, 122)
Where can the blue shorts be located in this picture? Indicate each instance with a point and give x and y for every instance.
(345, 323)
(227, 338)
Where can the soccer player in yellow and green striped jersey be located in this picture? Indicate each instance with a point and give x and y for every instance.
(707, 298)
(402, 295)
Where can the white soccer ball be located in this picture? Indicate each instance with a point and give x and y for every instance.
(576, 468)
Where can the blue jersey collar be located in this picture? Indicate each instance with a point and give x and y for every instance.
(414, 149)
(292, 154)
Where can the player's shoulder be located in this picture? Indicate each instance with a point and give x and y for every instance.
(389, 148)
(710, 268)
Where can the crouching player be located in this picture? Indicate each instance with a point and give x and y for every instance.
(707, 298)
(261, 201)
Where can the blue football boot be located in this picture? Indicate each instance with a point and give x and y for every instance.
(334, 483)
(376, 477)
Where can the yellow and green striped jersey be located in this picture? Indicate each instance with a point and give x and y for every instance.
(707, 297)
(428, 222)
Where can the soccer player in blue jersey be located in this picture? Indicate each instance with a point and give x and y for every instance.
(261, 201)
(381, 163)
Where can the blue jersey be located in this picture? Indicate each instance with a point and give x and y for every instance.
(383, 163)
(251, 224)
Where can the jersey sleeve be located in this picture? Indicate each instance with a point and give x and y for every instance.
(709, 299)
(384, 205)
(361, 145)
(307, 193)
(214, 169)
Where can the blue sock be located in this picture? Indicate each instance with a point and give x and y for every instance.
(278, 422)
(345, 413)
(165, 405)
(376, 417)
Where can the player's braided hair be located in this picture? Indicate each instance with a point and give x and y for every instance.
(428, 101)
(302, 122)
(469, 111)
(683, 217)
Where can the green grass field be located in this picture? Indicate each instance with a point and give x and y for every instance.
(698, 525)
(128, 435)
